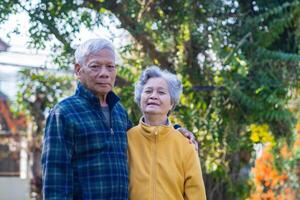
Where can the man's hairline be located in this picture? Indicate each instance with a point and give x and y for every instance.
(94, 53)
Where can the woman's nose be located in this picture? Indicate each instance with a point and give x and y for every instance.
(153, 95)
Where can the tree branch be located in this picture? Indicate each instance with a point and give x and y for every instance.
(50, 26)
(135, 29)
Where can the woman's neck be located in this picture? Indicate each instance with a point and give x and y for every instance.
(155, 120)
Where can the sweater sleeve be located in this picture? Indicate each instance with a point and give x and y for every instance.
(194, 188)
(56, 160)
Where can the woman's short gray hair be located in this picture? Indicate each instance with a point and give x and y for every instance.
(174, 84)
(92, 46)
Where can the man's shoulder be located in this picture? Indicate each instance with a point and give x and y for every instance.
(67, 104)
(120, 108)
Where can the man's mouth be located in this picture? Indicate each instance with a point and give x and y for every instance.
(103, 84)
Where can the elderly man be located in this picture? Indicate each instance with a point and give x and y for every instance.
(85, 145)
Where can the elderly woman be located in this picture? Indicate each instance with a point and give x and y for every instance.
(162, 163)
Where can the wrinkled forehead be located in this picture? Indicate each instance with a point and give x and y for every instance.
(156, 82)
(103, 55)
(104, 50)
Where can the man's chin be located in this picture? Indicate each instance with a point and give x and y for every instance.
(101, 92)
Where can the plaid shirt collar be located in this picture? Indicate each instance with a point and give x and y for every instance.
(112, 99)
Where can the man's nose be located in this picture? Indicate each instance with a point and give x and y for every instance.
(103, 72)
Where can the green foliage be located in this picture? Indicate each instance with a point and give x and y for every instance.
(38, 91)
(7, 8)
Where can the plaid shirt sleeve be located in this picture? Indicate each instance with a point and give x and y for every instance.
(129, 123)
(56, 158)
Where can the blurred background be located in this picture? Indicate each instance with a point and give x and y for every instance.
(238, 61)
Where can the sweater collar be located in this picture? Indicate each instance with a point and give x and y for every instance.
(112, 99)
(155, 132)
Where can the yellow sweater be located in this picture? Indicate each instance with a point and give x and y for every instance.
(163, 165)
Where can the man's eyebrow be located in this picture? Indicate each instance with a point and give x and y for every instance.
(99, 62)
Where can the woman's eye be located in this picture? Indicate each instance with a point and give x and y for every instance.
(161, 92)
(147, 91)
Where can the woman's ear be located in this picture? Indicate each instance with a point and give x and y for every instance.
(171, 109)
(172, 106)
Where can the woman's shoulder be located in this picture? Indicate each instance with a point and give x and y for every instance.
(177, 135)
(133, 130)
(182, 141)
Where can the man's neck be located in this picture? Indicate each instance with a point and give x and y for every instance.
(102, 100)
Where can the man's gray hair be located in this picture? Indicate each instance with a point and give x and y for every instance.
(92, 46)
(174, 84)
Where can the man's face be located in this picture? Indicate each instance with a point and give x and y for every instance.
(98, 73)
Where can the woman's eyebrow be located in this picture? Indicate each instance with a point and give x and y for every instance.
(159, 88)
(148, 87)
(162, 88)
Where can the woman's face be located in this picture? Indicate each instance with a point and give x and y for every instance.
(155, 98)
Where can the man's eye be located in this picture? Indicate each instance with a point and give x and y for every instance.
(111, 66)
(94, 66)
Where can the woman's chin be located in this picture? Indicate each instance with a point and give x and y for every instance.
(153, 112)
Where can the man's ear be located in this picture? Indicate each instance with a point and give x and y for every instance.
(77, 70)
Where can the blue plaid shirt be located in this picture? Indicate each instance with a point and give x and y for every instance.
(82, 157)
